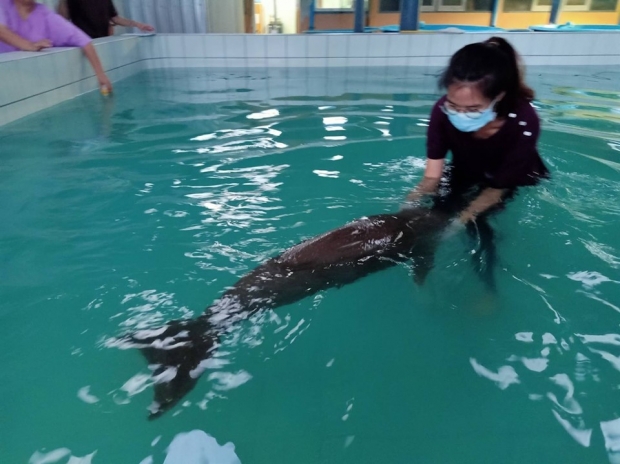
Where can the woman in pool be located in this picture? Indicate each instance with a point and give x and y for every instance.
(29, 26)
(487, 122)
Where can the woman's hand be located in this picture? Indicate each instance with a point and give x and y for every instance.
(144, 27)
(38, 46)
(427, 187)
(488, 198)
(17, 41)
(413, 197)
(93, 58)
(454, 227)
(467, 216)
(104, 82)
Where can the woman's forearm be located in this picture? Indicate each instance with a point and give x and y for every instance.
(120, 21)
(15, 40)
(430, 182)
(488, 198)
(93, 58)
(427, 186)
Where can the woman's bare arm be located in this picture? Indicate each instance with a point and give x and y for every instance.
(17, 41)
(488, 198)
(93, 58)
(119, 20)
(429, 183)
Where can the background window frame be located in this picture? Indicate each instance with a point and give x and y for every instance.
(400, 7)
(461, 7)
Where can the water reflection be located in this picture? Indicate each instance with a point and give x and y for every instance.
(60, 455)
(194, 447)
(576, 411)
(197, 447)
(271, 113)
(611, 434)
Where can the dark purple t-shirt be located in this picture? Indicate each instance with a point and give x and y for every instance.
(507, 159)
(92, 16)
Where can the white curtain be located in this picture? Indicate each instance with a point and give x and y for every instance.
(52, 4)
(167, 16)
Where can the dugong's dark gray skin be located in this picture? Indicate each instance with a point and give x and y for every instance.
(333, 259)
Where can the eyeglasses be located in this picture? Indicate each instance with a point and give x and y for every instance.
(449, 109)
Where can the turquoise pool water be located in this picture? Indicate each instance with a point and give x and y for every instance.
(128, 212)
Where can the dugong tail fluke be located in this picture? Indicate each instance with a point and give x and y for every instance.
(177, 352)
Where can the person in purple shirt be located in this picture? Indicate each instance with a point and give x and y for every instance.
(29, 26)
(487, 122)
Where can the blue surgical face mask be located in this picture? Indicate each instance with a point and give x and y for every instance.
(471, 122)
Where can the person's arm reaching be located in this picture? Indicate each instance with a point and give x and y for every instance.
(430, 182)
(436, 150)
(17, 41)
(93, 58)
(487, 199)
(66, 34)
(120, 21)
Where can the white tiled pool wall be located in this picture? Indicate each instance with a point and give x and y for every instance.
(30, 82)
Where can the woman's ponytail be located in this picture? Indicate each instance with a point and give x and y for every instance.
(525, 91)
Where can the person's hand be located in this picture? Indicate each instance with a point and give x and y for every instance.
(412, 200)
(454, 227)
(41, 44)
(145, 27)
(38, 46)
(413, 196)
(104, 82)
(467, 216)
(409, 204)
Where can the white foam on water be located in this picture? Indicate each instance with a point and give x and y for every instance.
(84, 395)
(197, 447)
(329, 174)
(589, 279)
(58, 454)
(527, 337)
(581, 436)
(83, 460)
(503, 378)
(229, 380)
(611, 434)
(535, 364)
(50, 457)
(137, 384)
(272, 113)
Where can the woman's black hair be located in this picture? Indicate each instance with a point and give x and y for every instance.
(494, 67)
